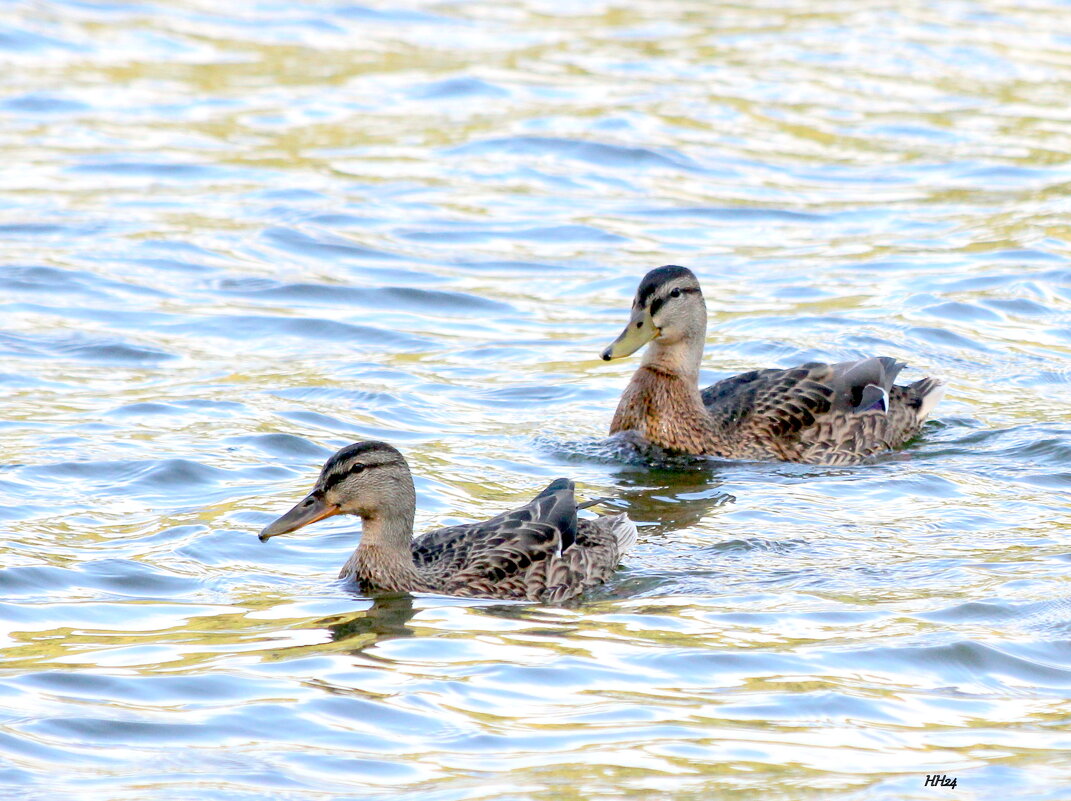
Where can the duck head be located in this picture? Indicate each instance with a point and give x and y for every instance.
(369, 479)
(668, 309)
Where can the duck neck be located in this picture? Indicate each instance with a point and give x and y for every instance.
(384, 559)
(680, 358)
(662, 402)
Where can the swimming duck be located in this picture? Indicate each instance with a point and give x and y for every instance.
(539, 552)
(815, 413)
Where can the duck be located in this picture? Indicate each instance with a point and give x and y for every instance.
(539, 552)
(816, 413)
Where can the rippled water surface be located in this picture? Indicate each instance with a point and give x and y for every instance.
(236, 237)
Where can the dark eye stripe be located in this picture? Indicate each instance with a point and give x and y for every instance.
(338, 474)
(657, 303)
(335, 476)
(333, 479)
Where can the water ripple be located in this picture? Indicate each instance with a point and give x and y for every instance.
(594, 153)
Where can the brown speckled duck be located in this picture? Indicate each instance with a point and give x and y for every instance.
(540, 552)
(815, 413)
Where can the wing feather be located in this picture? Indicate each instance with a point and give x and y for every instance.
(770, 405)
(540, 552)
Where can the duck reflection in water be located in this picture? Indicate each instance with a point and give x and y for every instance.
(669, 499)
(661, 490)
(385, 619)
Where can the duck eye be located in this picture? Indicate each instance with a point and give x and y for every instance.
(676, 293)
(357, 468)
(639, 323)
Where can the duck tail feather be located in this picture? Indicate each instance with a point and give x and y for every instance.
(624, 531)
(929, 392)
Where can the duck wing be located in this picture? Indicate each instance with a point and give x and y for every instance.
(767, 406)
(865, 384)
(880, 421)
(600, 544)
(821, 413)
(505, 556)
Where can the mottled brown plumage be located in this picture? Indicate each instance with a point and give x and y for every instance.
(816, 413)
(539, 552)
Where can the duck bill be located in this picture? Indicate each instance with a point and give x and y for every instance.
(639, 331)
(310, 510)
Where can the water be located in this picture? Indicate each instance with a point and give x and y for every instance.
(234, 239)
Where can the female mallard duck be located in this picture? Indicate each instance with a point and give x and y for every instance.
(540, 552)
(816, 413)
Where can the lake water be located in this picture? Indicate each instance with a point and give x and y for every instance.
(236, 237)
